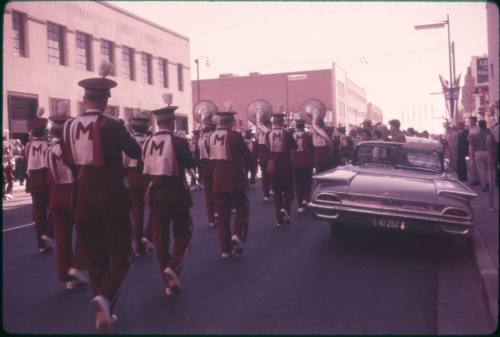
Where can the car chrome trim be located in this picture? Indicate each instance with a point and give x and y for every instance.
(455, 216)
(328, 217)
(465, 231)
(316, 198)
(388, 213)
(452, 193)
(381, 197)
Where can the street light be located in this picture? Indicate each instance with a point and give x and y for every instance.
(441, 24)
(197, 61)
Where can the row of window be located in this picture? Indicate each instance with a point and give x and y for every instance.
(111, 110)
(57, 53)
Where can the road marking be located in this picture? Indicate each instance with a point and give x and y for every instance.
(18, 227)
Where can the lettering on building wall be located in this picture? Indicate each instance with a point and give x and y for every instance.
(119, 26)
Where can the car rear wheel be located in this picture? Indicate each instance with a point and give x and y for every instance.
(336, 228)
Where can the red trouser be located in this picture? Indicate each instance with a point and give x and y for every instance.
(137, 211)
(224, 201)
(209, 197)
(40, 202)
(105, 240)
(302, 179)
(266, 179)
(63, 230)
(182, 230)
(283, 194)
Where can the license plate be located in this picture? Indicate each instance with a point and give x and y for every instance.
(389, 223)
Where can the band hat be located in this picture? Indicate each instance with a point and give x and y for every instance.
(228, 114)
(99, 86)
(61, 115)
(168, 112)
(140, 118)
(38, 121)
(279, 114)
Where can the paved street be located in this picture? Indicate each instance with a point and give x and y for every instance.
(290, 280)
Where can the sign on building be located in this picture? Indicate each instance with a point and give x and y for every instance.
(481, 71)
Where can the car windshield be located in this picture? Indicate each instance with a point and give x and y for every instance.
(398, 157)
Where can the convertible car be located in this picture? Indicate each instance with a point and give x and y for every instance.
(394, 186)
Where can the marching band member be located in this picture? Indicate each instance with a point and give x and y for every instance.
(323, 158)
(94, 143)
(252, 146)
(263, 158)
(138, 184)
(230, 157)
(280, 143)
(166, 156)
(206, 171)
(303, 162)
(196, 157)
(38, 186)
(61, 204)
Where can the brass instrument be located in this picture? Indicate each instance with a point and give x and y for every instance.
(315, 110)
(258, 112)
(204, 112)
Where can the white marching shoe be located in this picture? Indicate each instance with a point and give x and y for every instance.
(237, 246)
(100, 306)
(172, 279)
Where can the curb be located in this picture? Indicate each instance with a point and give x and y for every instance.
(488, 275)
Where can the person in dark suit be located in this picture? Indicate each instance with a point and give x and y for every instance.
(94, 144)
(231, 158)
(463, 151)
(166, 158)
(280, 142)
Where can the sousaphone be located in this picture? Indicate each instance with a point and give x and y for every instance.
(314, 110)
(204, 111)
(258, 112)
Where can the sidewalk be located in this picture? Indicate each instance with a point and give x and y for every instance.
(485, 244)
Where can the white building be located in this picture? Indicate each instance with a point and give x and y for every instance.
(48, 46)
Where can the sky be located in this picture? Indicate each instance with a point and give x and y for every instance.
(375, 42)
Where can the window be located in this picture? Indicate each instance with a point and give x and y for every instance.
(83, 51)
(163, 72)
(19, 33)
(55, 34)
(112, 111)
(180, 79)
(108, 53)
(55, 105)
(147, 71)
(128, 60)
(340, 89)
(128, 113)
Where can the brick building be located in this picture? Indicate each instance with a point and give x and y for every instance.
(345, 100)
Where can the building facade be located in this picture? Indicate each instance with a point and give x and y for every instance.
(49, 46)
(492, 18)
(291, 89)
(374, 113)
